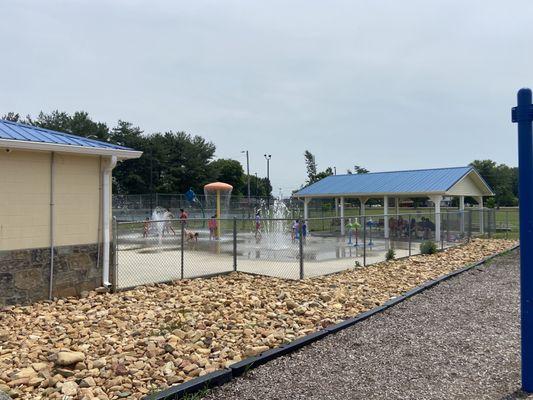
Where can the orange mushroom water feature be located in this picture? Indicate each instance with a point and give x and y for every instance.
(220, 190)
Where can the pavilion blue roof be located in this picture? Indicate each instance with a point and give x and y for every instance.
(26, 133)
(422, 181)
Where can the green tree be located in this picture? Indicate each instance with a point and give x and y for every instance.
(13, 117)
(311, 166)
(358, 170)
(78, 123)
(321, 175)
(229, 171)
(260, 187)
(133, 176)
(502, 179)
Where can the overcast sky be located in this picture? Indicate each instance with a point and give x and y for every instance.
(384, 84)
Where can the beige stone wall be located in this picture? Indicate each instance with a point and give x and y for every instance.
(25, 199)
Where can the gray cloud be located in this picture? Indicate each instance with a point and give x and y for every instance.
(384, 84)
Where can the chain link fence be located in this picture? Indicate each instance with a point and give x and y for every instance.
(161, 251)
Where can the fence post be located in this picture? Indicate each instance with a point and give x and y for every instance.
(448, 226)
(491, 221)
(114, 282)
(441, 233)
(182, 249)
(523, 114)
(506, 223)
(300, 228)
(235, 244)
(364, 241)
(469, 224)
(409, 229)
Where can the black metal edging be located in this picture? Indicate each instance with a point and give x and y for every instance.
(221, 377)
(207, 381)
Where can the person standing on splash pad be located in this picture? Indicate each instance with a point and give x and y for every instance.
(183, 216)
(296, 230)
(212, 225)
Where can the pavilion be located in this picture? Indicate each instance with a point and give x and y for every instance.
(434, 184)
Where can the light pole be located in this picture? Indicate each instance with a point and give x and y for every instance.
(268, 157)
(248, 175)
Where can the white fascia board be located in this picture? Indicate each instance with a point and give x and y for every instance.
(65, 148)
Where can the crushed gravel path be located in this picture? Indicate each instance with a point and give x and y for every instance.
(458, 340)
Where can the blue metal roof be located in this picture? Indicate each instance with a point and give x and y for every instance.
(16, 131)
(437, 180)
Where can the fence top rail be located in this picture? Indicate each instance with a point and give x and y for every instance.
(299, 217)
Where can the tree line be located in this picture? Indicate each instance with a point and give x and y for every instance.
(172, 161)
(175, 161)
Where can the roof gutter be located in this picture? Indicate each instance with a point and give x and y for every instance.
(66, 148)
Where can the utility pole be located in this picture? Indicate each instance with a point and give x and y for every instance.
(268, 157)
(248, 175)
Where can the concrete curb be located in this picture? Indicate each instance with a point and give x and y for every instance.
(218, 378)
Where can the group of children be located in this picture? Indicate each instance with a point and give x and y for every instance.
(295, 231)
(167, 225)
(295, 228)
(212, 224)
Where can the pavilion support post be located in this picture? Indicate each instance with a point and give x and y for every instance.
(397, 204)
(386, 217)
(362, 201)
(436, 201)
(462, 213)
(306, 208)
(481, 222)
(336, 206)
(342, 215)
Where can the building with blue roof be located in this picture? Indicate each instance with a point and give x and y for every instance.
(55, 211)
(435, 184)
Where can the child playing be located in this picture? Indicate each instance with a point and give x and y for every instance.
(146, 227)
(212, 225)
(295, 230)
(183, 216)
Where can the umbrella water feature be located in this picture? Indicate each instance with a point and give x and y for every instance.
(218, 194)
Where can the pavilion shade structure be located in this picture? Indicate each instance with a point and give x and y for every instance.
(434, 184)
(416, 183)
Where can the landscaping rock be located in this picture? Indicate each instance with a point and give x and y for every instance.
(65, 358)
(151, 337)
(69, 388)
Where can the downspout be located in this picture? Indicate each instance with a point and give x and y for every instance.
(99, 227)
(106, 196)
(52, 230)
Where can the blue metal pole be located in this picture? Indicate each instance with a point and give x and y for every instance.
(523, 114)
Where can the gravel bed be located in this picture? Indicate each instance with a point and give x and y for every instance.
(459, 340)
